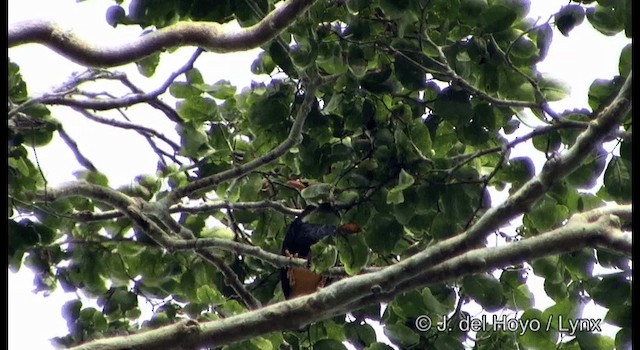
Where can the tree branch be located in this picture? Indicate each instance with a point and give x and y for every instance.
(339, 298)
(129, 126)
(84, 161)
(60, 95)
(210, 36)
(597, 228)
(203, 208)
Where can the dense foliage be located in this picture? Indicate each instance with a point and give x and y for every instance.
(411, 109)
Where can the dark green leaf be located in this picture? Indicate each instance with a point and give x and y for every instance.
(401, 334)
(606, 20)
(611, 290)
(353, 252)
(568, 18)
(147, 66)
(383, 234)
(617, 179)
(485, 290)
(497, 18)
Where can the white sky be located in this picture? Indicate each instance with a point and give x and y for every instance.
(33, 319)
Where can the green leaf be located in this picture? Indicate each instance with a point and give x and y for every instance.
(454, 105)
(193, 141)
(147, 66)
(394, 8)
(221, 89)
(401, 334)
(535, 338)
(606, 20)
(442, 227)
(619, 315)
(198, 110)
(617, 179)
(594, 341)
(568, 18)
(263, 64)
(323, 256)
(17, 88)
(624, 338)
(179, 89)
(559, 314)
(601, 91)
(317, 193)
(328, 344)
(547, 268)
(353, 252)
(281, 57)
(612, 260)
(497, 18)
(409, 305)
(469, 10)
(421, 139)
(360, 334)
(624, 65)
(485, 290)
(548, 142)
(409, 71)
(405, 180)
(611, 290)
(589, 171)
(379, 346)
(93, 177)
(383, 234)
(432, 304)
(546, 214)
(355, 6)
(553, 89)
(222, 232)
(209, 296)
(357, 61)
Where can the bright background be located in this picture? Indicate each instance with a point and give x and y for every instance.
(35, 318)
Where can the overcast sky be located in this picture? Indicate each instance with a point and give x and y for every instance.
(33, 319)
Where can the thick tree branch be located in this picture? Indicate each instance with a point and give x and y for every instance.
(209, 36)
(597, 228)
(194, 209)
(339, 298)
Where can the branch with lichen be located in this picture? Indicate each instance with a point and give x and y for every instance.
(209, 36)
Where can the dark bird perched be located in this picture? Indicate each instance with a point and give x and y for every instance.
(297, 242)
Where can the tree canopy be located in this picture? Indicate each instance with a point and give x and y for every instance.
(399, 114)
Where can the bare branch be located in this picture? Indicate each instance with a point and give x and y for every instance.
(210, 36)
(129, 126)
(84, 161)
(100, 104)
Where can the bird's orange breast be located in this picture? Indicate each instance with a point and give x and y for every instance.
(303, 281)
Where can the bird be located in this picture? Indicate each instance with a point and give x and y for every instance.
(300, 236)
